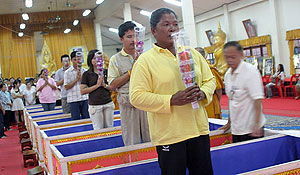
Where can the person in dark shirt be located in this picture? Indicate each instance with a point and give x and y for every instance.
(101, 107)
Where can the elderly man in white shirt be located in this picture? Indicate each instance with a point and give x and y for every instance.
(244, 88)
(72, 80)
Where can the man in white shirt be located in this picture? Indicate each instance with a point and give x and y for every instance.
(59, 79)
(244, 88)
(72, 80)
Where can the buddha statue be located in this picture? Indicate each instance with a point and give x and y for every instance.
(220, 63)
(47, 62)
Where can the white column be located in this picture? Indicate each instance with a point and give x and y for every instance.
(98, 36)
(227, 22)
(189, 21)
(275, 35)
(127, 12)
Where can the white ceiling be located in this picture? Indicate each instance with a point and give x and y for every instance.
(110, 12)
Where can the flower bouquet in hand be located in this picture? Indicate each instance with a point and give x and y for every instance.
(79, 61)
(185, 61)
(139, 35)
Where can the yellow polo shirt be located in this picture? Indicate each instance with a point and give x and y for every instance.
(113, 71)
(154, 79)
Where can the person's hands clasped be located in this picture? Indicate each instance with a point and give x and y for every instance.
(78, 75)
(186, 96)
(100, 81)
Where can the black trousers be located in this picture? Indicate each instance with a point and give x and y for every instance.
(241, 138)
(193, 154)
(8, 117)
(1, 124)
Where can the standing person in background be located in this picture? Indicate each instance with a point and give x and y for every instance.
(18, 105)
(244, 88)
(29, 93)
(214, 108)
(72, 80)
(134, 121)
(59, 79)
(11, 82)
(2, 112)
(101, 107)
(47, 87)
(6, 104)
(278, 74)
(22, 85)
(180, 133)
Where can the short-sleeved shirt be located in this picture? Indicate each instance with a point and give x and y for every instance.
(243, 87)
(59, 75)
(113, 71)
(47, 94)
(101, 95)
(29, 95)
(4, 100)
(73, 94)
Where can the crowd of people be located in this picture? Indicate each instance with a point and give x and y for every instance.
(150, 89)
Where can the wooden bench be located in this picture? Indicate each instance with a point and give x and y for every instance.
(23, 135)
(26, 143)
(30, 154)
(36, 171)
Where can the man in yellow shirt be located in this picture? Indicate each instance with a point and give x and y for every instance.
(134, 122)
(179, 131)
(214, 108)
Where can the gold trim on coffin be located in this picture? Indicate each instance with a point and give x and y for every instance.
(143, 150)
(86, 136)
(66, 125)
(291, 172)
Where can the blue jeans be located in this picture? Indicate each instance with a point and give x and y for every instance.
(1, 124)
(48, 106)
(79, 108)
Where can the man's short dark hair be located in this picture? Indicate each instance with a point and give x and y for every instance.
(125, 27)
(157, 14)
(73, 54)
(63, 56)
(234, 44)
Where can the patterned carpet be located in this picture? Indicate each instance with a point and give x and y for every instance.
(276, 122)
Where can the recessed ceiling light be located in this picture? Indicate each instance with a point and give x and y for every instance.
(113, 30)
(174, 2)
(99, 1)
(22, 26)
(28, 3)
(86, 12)
(146, 13)
(75, 22)
(25, 16)
(67, 30)
(20, 34)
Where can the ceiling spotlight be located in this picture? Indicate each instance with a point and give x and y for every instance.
(25, 16)
(113, 30)
(22, 26)
(99, 1)
(67, 30)
(20, 34)
(75, 22)
(146, 13)
(174, 2)
(86, 12)
(28, 3)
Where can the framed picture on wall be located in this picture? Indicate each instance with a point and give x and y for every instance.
(210, 37)
(249, 28)
(268, 66)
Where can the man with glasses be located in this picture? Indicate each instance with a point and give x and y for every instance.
(72, 80)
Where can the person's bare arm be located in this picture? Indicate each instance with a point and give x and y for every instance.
(256, 128)
(60, 82)
(119, 81)
(72, 83)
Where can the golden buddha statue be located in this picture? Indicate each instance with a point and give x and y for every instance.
(47, 62)
(220, 63)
